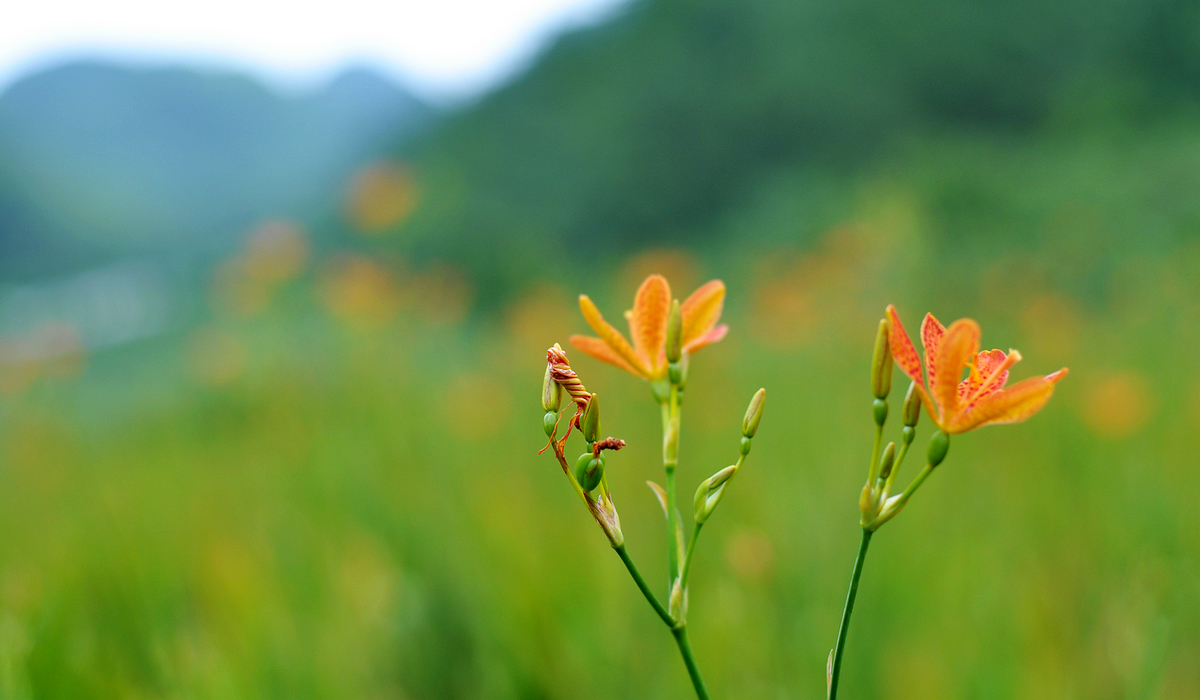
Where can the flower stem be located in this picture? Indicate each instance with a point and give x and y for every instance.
(685, 650)
(853, 592)
(687, 560)
(641, 584)
(670, 414)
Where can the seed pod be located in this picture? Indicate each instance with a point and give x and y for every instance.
(589, 469)
(548, 422)
(939, 443)
(551, 392)
(879, 409)
(912, 406)
(887, 460)
(591, 420)
(674, 333)
(881, 363)
(754, 413)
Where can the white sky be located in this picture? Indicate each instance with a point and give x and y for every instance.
(443, 49)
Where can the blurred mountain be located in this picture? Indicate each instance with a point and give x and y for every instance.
(656, 126)
(98, 162)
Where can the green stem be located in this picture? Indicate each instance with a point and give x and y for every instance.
(641, 584)
(841, 640)
(687, 560)
(670, 460)
(689, 660)
(873, 469)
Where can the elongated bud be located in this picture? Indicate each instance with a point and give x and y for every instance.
(887, 460)
(912, 406)
(711, 491)
(881, 363)
(674, 333)
(939, 443)
(591, 420)
(675, 602)
(551, 392)
(754, 413)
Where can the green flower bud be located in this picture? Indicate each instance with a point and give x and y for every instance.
(710, 492)
(887, 460)
(589, 469)
(674, 333)
(549, 421)
(745, 446)
(908, 433)
(880, 410)
(591, 420)
(675, 373)
(754, 413)
(939, 443)
(881, 363)
(551, 392)
(912, 406)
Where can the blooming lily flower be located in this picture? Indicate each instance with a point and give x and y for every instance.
(980, 399)
(647, 356)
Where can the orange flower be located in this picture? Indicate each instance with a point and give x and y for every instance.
(980, 399)
(647, 357)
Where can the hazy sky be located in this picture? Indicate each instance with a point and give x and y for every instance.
(442, 48)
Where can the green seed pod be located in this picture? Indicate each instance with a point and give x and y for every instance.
(880, 410)
(551, 392)
(939, 443)
(754, 413)
(912, 406)
(548, 422)
(675, 373)
(907, 434)
(674, 333)
(589, 470)
(745, 446)
(881, 363)
(887, 460)
(591, 420)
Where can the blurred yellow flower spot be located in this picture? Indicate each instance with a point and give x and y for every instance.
(359, 291)
(381, 196)
(1119, 405)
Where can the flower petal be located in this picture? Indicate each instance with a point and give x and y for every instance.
(902, 348)
(1011, 405)
(959, 344)
(648, 321)
(713, 336)
(702, 310)
(601, 351)
(611, 336)
(990, 375)
(931, 336)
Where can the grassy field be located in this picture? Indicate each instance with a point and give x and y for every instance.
(337, 494)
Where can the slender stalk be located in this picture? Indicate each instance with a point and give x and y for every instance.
(641, 584)
(670, 460)
(853, 592)
(689, 660)
(687, 560)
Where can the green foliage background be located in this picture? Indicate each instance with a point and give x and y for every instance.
(358, 509)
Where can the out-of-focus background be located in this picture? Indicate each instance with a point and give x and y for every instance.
(272, 332)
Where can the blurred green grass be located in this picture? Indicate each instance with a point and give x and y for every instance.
(340, 496)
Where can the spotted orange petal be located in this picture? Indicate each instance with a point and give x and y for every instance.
(701, 311)
(713, 336)
(931, 336)
(990, 375)
(902, 348)
(1012, 405)
(611, 336)
(959, 344)
(648, 321)
(601, 351)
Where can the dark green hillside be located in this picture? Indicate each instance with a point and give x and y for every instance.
(651, 127)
